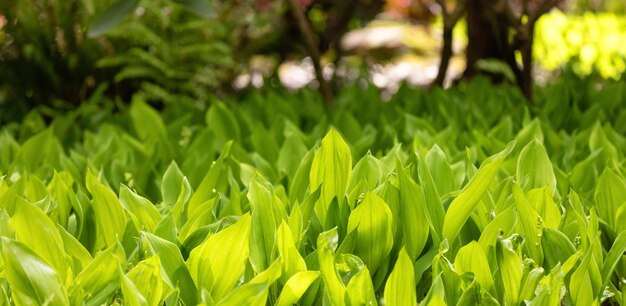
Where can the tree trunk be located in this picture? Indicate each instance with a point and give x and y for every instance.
(446, 54)
(488, 39)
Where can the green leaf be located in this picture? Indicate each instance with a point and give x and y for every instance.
(510, 271)
(149, 125)
(254, 292)
(79, 255)
(580, 286)
(110, 218)
(291, 155)
(222, 122)
(264, 224)
(400, 287)
(372, 220)
(503, 223)
(36, 231)
(599, 140)
(217, 264)
(146, 276)
(300, 181)
(113, 15)
(613, 257)
(100, 279)
(370, 170)
(32, 280)
(296, 286)
(436, 294)
(201, 7)
(147, 214)
(59, 189)
(440, 170)
(171, 184)
(291, 260)
(496, 67)
(545, 206)
(534, 169)
(206, 190)
(30, 156)
(173, 267)
(132, 295)
(435, 211)
(334, 289)
(472, 258)
(529, 224)
(529, 285)
(557, 248)
(331, 168)
(609, 196)
(360, 290)
(464, 203)
(414, 221)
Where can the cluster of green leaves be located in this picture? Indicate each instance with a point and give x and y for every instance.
(590, 43)
(443, 197)
(173, 55)
(43, 54)
(164, 51)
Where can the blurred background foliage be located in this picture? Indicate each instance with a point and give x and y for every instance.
(186, 52)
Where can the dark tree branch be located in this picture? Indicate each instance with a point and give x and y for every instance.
(338, 25)
(450, 19)
(312, 50)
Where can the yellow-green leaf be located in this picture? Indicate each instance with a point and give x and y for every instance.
(372, 220)
(35, 230)
(217, 264)
(609, 196)
(146, 276)
(534, 169)
(110, 218)
(295, 287)
(331, 168)
(291, 260)
(146, 213)
(413, 218)
(254, 292)
(464, 203)
(511, 270)
(334, 289)
(173, 267)
(400, 287)
(472, 258)
(360, 290)
(529, 224)
(35, 281)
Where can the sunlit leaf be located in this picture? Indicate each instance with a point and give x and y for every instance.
(32, 279)
(173, 266)
(218, 263)
(334, 289)
(534, 169)
(331, 168)
(372, 221)
(412, 213)
(400, 287)
(296, 286)
(464, 203)
(36, 231)
(472, 258)
(110, 217)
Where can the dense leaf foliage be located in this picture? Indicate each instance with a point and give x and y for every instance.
(457, 197)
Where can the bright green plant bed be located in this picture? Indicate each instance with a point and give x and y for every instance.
(459, 197)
